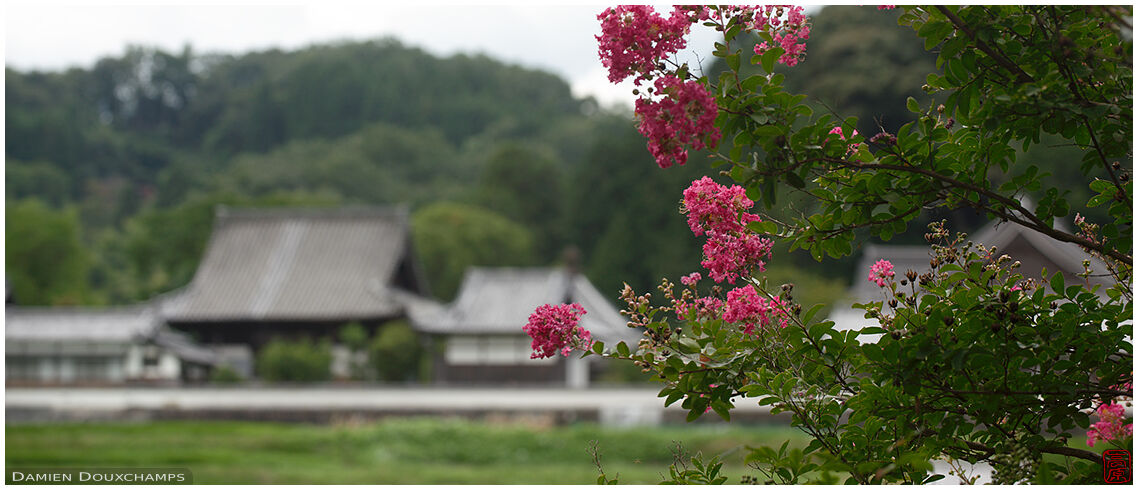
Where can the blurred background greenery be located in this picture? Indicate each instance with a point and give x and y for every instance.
(118, 166)
(394, 451)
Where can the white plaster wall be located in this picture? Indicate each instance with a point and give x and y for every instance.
(132, 365)
(169, 367)
(486, 349)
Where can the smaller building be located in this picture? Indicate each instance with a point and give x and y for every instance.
(479, 339)
(93, 346)
(1035, 251)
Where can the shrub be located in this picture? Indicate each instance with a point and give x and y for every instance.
(297, 361)
(225, 375)
(395, 352)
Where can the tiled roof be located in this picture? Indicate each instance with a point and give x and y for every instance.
(1053, 254)
(1068, 257)
(87, 325)
(500, 301)
(118, 324)
(297, 264)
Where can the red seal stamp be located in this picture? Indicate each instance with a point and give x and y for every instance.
(1116, 466)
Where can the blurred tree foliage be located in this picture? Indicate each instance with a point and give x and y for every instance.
(526, 185)
(395, 352)
(46, 263)
(298, 361)
(450, 237)
(625, 212)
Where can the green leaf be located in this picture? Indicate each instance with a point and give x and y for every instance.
(912, 105)
(794, 180)
(765, 227)
(733, 61)
(1057, 283)
(811, 312)
(769, 58)
(768, 131)
(687, 345)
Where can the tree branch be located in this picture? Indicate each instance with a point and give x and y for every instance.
(1021, 76)
(1062, 450)
(1035, 223)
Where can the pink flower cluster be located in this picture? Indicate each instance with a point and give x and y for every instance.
(838, 131)
(789, 34)
(711, 206)
(745, 306)
(728, 256)
(691, 279)
(703, 308)
(1109, 427)
(634, 38)
(720, 212)
(554, 328)
(684, 116)
(881, 272)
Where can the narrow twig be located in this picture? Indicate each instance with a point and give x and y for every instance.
(1021, 76)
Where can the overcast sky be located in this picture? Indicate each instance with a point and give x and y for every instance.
(56, 36)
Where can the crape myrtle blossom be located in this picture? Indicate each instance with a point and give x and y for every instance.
(684, 116)
(634, 39)
(745, 306)
(705, 308)
(728, 256)
(676, 112)
(1109, 427)
(852, 148)
(789, 34)
(881, 272)
(711, 206)
(555, 328)
(720, 213)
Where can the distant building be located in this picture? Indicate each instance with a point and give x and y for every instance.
(95, 346)
(1034, 250)
(297, 273)
(478, 338)
(302, 274)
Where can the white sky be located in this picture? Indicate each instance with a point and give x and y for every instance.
(56, 36)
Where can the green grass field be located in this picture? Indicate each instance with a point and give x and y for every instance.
(398, 451)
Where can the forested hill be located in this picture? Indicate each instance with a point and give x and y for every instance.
(131, 116)
(119, 166)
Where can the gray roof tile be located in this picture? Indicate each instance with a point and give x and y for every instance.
(500, 301)
(297, 264)
(80, 324)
